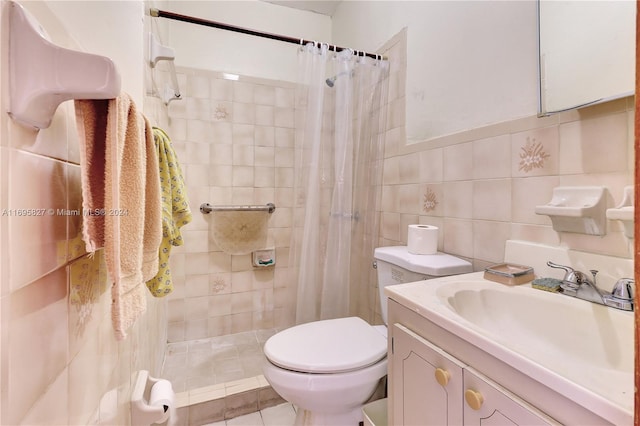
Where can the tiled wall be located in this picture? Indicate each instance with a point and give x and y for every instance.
(481, 187)
(59, 359)
(235, 142)
(59, 355)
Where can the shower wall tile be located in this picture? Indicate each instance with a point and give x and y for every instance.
(284, 177)
(262, 196)
(241, 322)
(199, 131)
(284, 97)
(284, 137)
(284, 117)
(264, 95)
(243, 92)
(239, 150)
(221, 176)
(284, 157)
(243, 134)
(221, 89)
(243, 176)
(198, 285)
(197, 87)
(265, 115)
(264, 156)
(242, 195)
(221, 154)
(264, 136)
(244, 113)
(197, 109)
(221, 111)
(264, 177)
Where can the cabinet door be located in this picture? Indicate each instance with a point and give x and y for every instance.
(489, 404)
(426, 382)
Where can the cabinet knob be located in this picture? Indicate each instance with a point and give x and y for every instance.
(474, 399)
(442, 376)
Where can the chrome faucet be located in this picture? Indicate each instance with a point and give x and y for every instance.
(579, 285)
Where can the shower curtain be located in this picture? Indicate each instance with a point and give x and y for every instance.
(340, 112)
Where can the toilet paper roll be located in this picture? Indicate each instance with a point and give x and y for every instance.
(422, 239)
(162, 395)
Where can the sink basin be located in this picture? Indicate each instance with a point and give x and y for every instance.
(580, 349)
(548, 327)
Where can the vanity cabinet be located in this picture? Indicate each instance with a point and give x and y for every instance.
(428, 382)
(428, 386)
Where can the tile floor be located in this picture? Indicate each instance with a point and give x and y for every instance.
(280, 415)
(205, 362)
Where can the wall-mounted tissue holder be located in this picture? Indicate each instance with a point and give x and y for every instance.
(151, 400)
(625, 211)
(158, 52)
(43, 75)
(578, 209)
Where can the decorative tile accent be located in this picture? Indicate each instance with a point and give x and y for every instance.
(218, 284)
(221, 113)
(430, 201)
(532, 156)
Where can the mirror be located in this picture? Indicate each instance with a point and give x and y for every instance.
(587, 52)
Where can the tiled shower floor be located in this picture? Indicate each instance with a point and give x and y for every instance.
(205, 362)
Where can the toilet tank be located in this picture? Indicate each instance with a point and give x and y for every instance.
(395, 265)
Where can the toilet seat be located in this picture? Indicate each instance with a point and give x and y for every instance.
(327, 346)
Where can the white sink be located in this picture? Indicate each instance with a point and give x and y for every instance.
(545, 325)
(571, 345)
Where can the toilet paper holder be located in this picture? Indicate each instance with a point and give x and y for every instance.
(151, 400)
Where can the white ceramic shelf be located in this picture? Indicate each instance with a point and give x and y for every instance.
(625, 211)
(43, 75)
(577, 209)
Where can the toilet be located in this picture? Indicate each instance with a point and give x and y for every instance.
(328, 369)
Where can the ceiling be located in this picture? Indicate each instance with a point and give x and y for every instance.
(324, 7)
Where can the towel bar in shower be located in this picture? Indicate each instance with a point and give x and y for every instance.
(207, 208)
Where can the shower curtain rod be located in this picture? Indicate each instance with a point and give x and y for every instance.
(193, 20)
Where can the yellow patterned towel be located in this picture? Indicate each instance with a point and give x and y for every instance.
(175, 211)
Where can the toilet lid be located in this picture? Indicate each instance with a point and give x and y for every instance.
(328, 346)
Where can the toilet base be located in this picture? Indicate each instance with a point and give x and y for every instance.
(315, 418)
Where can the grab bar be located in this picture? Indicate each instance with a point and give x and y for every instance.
(207, 208)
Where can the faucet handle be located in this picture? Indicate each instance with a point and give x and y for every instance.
(572, 279)
(623, 289)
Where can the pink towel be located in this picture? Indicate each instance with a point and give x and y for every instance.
(121, 187)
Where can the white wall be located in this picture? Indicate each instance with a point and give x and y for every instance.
(469, 63)
(213, 49)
